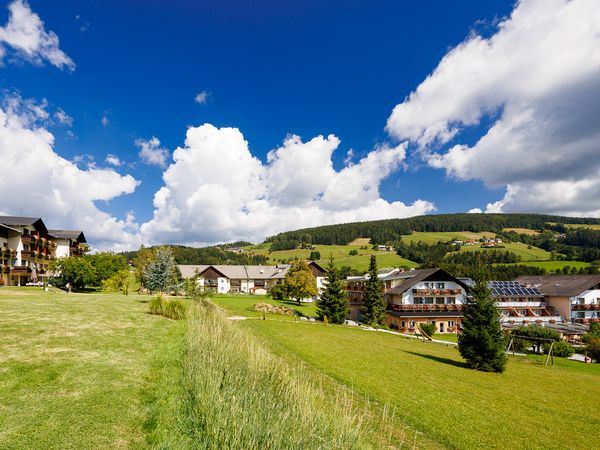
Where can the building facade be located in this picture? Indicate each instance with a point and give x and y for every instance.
(574, 297)
(413, 297)
(520, 304)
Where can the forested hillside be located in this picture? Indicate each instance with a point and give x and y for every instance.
(209, 255)
(382, 231)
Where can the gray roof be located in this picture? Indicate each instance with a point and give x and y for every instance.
(241, 272)
(190, 270)
(23, 221)
(561, 285)
(415, 276)
(68, 234)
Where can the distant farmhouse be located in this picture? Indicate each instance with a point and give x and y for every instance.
(230, 279)
(27, 247)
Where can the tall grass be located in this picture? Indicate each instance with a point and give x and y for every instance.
(171, 308)
(233, 393)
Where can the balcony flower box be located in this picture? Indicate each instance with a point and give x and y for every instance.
(525, 322)
(411, 330)
(403, 329)
(552, 321)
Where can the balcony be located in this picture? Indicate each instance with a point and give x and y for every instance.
(535, 304)
(588, 307)
(26, 254)
(21, 270)
(424, 308)
(28, 239)
(587, 321)
(434, 292)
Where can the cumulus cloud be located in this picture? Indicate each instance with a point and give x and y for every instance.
(25, 35)
(202, 97)
(152, 153)
(105, 121)
(537, 80)
(113, 160)
(54, 188)
(216, 190)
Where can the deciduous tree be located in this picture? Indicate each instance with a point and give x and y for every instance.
(300, 281)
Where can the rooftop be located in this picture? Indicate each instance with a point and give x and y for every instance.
(561, 285)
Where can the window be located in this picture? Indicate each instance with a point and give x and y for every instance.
(450, 300)
(418, 300)
(451, 323)
(429, 300)
(441, 285)
(403, 324)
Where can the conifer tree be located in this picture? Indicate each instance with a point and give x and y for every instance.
(160, 273)
(373, 308)
(481, 342)
(333, 303)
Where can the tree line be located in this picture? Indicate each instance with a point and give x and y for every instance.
(382, 231)
(207, 255)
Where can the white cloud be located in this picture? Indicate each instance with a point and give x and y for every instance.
(62, 117)
(104, 121)
(36, 181)
(152, 153)
(538, 80)
(202, 97)
(475, 211)
(216, 190)
(113, 160)
(25, 34)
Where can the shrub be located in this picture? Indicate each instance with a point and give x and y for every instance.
(279, 292)
(593, 349)
(561, 349)
(175, 309)
(353, 252)
(428, 328)
(157, 305)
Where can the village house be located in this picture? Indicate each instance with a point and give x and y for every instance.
(68, 242)
(228, 279)
(413, 297)
(575, 297)
(520, 304)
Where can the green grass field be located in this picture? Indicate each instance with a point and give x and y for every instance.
(430, 389)
(73, 368)
(242, 305)
(552, 266)
(520, 249)
(341, 256)
(582, 225)
(433, 237)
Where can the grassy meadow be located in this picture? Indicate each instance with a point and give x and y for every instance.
(73, 368)
(427, 385)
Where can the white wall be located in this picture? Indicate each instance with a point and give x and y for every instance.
(408, 297)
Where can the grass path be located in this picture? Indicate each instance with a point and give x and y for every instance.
(73, 368)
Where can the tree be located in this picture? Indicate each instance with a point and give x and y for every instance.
(333, 303)
(315, 255)
(373, 308)
(106, 264)
(300, 281)
(120, 281)
(160, 273)
(481, 342)
(72, 272)
(141, 261)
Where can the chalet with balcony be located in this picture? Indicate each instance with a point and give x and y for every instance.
(68, 242)
(225, 279)
(413, 297)
(575, 297)
(522, 305)
(26, 249)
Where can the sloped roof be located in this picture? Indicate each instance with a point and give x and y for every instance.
(561, 285)
(241, 272)
(14, 221)
(190, 270)
(417, 275)
(68, 234)
(6, 231)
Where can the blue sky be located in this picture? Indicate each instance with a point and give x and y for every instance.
(272, 69)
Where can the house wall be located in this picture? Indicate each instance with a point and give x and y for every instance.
(405, 324)
(590, 297)
(62, 248)
(408, 297)
(562, 305)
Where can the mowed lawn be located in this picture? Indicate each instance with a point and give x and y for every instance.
(427, 387)
(74, 367)
(552, 266)
(243, 305)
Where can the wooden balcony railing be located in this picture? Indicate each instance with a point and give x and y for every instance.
(434, 292)
(589, 307)
(424, 308)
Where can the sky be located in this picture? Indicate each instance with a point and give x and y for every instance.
(213, 121)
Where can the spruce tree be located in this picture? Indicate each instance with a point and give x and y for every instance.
(160, 273)
(333, 303)
(373, 308)
(481, 342)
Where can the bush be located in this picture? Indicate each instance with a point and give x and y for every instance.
(175, 309)
(353, 252)
(157, 305)
(561, 349)
(279, 292)
(520, 345)
(428, 328)
(593, 349)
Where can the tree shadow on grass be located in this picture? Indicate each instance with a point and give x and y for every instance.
(440, 359)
